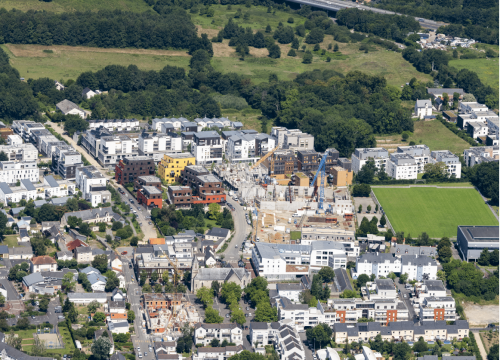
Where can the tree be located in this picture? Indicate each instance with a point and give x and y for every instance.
(420, 345)
(484, 258)
(238, 316)
(320, 335)
(38, 348)
(268, 28)
(117, 225)
(405, 136)
(291, 53)
(274, 51)
(44, 305)
(23, 323)
(99, 317)
(93, 306)
(441, 275)
(493, 353)
(445, 254)
(130, 316)
(494, 258)
(212, 316)
(2, 300)
(101, 347)
(335, 48)
(455, 54)
(265, 313)
(383, 220)
(403, 278)
(327, 274)
(435, 171)
(361, 190)
(100, 262)
(362, 280)
(205, 295)
(367, 172)
(230, 290)
(164, 277)
(215, 288)
(401, 351)
(14, 341)
(307, 58)
(102, 227)
(360, 208)
(369, 208)
(213, 211)
(295, 44)
(112, 281)
(154, 276)
(73, 315)
(68, 281)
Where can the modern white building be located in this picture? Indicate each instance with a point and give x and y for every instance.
(65, 160)
(380, 310)
(89, 179)
(20, 151)
(480, 154)
(14, 140)
(112, 149)
(437, 308)
(380, 289)
(402, 166)
(207, 147)
(12, 172)
(379, 264)
(87, 298)
(361, 155)
(419, 267)
(293, 139)
(115, 124)
(421, 153)
(205, 333)
(423, 108)
(452, 162)
(156, 145)
(472, 107)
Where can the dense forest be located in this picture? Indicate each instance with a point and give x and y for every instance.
(107, 29)
(470, 18)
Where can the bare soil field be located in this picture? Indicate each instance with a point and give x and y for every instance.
(481, 314)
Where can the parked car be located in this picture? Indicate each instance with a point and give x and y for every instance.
(124, 252)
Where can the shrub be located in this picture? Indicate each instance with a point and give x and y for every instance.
(230, 101)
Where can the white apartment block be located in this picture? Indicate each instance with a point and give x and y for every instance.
(14, 140)
(418, 267)
(344, 237)
(380, 289)
(89, 179)
(281, 261)
(207, 147)
(12, 172)
(293, 139)
(20, 152)
(48, 143)
(115, 124)
(112, 149)
(209, 353)
(480, 154)
(437, 308)
(290, 291)
(423, 108)
(402, 166)
(342, 202)
(283, 335)
(421, 154)
(472, 107)
(156, 145)
(65, 160)
(24, 128)
(477, 129)
(362, 155)
(380, 310)
(379, 264)
(248, 147)
(452, 162)
(492, 124)
(205, 333)
(29, 191)
(52, 187)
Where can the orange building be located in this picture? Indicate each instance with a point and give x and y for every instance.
(341, 176)
(157, 241)
(150, 196)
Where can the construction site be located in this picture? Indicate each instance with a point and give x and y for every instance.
(167, 314)
(288, 191)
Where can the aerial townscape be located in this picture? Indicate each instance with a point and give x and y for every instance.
(249, 180)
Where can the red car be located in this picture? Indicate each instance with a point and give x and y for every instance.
(124, 253)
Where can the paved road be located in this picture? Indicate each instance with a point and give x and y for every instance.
(336, 5)
(480, 345)
(411, 311)
(12, 293)
(241, 231)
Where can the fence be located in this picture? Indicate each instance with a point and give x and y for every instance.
(387, 222)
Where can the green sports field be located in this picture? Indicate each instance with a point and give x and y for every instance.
(437, 212)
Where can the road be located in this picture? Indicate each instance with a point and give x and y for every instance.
(241, 231)
(480, 345)
(335, 5)
(148, 230)
(411, 311)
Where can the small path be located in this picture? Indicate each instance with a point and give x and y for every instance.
(480, 345)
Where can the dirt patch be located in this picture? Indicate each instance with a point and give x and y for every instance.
(481, 314)
(489, 338)
(38, 50)
(210, 32)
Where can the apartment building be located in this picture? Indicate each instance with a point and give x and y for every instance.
(402, 167)
(208, 189)
(382, 311)
(205, 333)
(115, 124)
(297, 140)
(437, 308)
(25, 127)
(156, 145)
(281, 162)
(207, 147)
(65, 160)
(379, 264)
(477, 129)
(128, 169)
(452, 162)
(113, 149)
(344, 237)
(190, 174)
(89, 179)
(401, 330)
(480, 154)
(150, 196)
(341, 176)
(421, 154)
(14, 140)
(380, 289)
(472, 240)
(362, 155)
(171, 166)
(91, 140)
(147, 180)
(419, 267)
(42, 263)
(12, 172)
(29, 191)
(47, 144)
(20, 152)
(301, 315)
(282, 261)
(180, 196)
(246, 145)
(308, 160)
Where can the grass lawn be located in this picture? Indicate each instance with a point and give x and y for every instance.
(295, 235)
(431, 133)
(437, 212)
(76, 5)
(486, 69)
(10, 240)
(451, 185)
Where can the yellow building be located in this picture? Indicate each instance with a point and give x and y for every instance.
(341, 176)
(171, 165)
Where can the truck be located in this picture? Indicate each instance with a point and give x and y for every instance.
(231, 192)
(289, 220)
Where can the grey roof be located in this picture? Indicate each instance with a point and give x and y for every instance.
(74, 295)
(413, 250)
(66, 106)
(377, 258)
(117, 356)
(258, 325)
(28, 185)
(23, 233)
(93, 278)
(89, 269)
(385, 284)
(422, 103)
(20, 251)
(325, 245)
(206, 134)
(90, 214)
(219, 232)
(34, 278)
(342, 280)
(82, 250)
(4, 249)
(113, 325)
(450, 92)
(434, 285)
(60, 201)
(39, 203)
(418, 260)
(288, 305)
(220, 273)
(289, 287)
(480, 233)
(13, 353)
(5, 188)
(149, 178)
(17, 210)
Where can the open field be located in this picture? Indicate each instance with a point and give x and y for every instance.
(481, 314)
(75, 5)
(486, 69)
(431, 133)
(437, 212)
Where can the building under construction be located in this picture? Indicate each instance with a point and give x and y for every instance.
(166, 314)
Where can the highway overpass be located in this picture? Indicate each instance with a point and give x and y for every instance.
(335, 5)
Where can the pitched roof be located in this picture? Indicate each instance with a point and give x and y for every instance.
(34, 278)
(43, 260)
(72, 245)
(90, 214)
(94, 278)
(219, 232)
(65, 106)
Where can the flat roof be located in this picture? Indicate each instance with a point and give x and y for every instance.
(480, 233)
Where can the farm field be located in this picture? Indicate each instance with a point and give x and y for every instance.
(431, 133)
(486, 69)
(59, 6)
(437, 212)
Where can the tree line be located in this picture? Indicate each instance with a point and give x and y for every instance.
(106, 29)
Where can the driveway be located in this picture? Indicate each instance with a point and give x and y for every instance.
(241, 231)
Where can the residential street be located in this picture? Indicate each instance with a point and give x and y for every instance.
(407, 301)
(241, 231)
